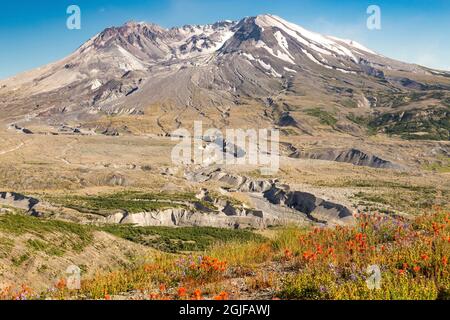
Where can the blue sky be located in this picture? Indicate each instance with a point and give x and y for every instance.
(33, 33)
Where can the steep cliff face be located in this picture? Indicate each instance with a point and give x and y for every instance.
(230, 218)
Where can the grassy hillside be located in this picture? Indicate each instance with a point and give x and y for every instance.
(291, 263)
(36, 252)
(180, 239)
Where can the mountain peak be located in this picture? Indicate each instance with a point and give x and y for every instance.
(136, 26)
(229, 59)
(133, 23)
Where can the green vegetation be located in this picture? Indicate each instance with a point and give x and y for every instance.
(18, 261)
(395, 100)
(324, 117)
(349, 103)
(51, 236)
(129, 201)
(135, 202)
(295, 263)
(6, 246)
(434, 126)
(179, 239)
(431, 123)
(442, 165)
(404, 201)
(363, 122)
(348, 182)
(332, 264)
(55, 238)
(46, 247)
(395, 195)
(19, 224)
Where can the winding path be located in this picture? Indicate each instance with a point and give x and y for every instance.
(13, 149)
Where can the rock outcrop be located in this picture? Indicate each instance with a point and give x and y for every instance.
(286, 206)
(316, 209)
(228, 218)
(19, 201)
(352, 155)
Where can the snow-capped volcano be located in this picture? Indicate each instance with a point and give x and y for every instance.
(205, 68)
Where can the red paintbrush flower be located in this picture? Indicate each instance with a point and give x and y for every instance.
(181, 292)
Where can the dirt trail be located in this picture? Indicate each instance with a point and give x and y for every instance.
(13, 149)
(63, 156)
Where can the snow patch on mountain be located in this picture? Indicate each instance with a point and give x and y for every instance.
(282, 42)
(312, 40)
(130, 62)
(289, 70)
(313, 59)
(279, 55)
(248, 56)
(269, 68)
(354, 44)
(95, 84)
(225, 37)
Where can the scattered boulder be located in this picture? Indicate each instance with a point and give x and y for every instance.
(173, 171)
(112, 132)
(286, 120)
(68, 130)
(20, 129)
(203, 195)
(116, 179)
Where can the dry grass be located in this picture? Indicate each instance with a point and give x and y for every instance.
(297, 264)
(87, 166)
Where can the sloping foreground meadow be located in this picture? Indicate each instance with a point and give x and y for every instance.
(288, 263)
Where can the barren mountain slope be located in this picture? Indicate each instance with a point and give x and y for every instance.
(261, 71)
